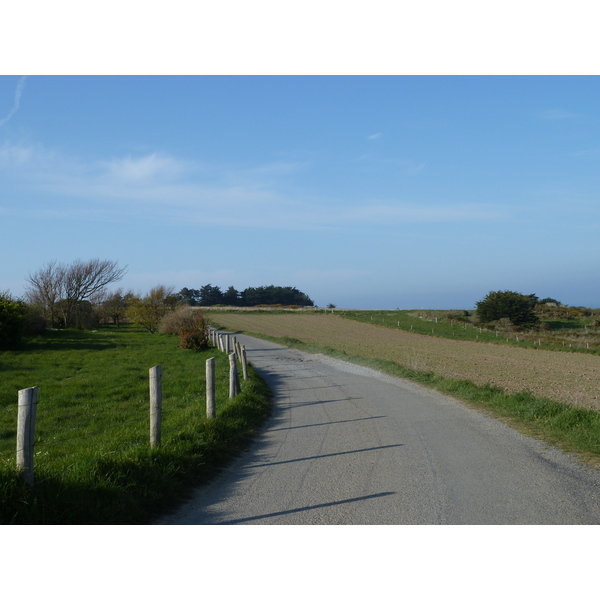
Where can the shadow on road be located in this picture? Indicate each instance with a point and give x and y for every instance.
(293, 460)
(328, 423)
(305, 508)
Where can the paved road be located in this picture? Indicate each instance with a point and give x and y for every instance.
(348, 445)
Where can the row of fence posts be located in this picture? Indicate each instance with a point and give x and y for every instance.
(28, 400)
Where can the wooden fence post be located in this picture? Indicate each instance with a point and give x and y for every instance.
(234, 384)
(27, 406)
(244, 362)
(155, 404)
(210, 388)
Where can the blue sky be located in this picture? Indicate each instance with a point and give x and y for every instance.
(362, 191)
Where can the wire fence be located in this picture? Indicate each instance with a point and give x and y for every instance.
(34, 441)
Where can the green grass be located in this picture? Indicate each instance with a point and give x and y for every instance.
(93, 462)
(572, 429)
(567, 335)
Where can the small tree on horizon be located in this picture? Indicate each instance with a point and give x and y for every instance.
(517, 307)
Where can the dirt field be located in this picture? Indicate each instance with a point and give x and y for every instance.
(571, 378)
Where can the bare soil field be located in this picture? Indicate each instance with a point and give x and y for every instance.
(565, 377)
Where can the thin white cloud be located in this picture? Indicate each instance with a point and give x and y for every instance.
(145, 169)
(374, 136)
(405, 212)
(557, 114)
(159, 186)
(412, 169)
(16, 102)
(15, 155)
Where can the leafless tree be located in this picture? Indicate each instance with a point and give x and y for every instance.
(84, 279)
(46, 289)
(67, 286)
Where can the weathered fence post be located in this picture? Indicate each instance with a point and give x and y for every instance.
(234, 384)
(210, 388)
(244, 362)
(155, 404)
(27, 406)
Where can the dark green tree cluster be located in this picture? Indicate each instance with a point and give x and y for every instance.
(17, 321)
(519, 308)
(209, 295)
(12, 322)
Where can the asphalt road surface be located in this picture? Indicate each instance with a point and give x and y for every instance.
(349, 445)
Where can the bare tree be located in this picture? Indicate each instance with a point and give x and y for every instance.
(67, 286)
(84, 279)
(46, 288)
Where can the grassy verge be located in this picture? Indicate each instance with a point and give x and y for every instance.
(93, 462)
(572, 429)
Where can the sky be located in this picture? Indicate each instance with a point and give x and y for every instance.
(364, 190)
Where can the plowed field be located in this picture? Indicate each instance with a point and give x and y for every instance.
(567, 377)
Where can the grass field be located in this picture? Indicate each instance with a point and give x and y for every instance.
(553, 395)
(93, 462)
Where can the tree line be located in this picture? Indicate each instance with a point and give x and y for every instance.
(75, 295)
(211, 295)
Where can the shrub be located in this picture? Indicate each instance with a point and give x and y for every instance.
(152, 308)
(13, 321)
(462, 319)
(189, 324)
(503, 324)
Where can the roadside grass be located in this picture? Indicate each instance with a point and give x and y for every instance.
(568, 335)
(572, 429)
(93, 461)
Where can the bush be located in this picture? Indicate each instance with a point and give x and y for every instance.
(510, 305)
(152, 308)
(189, 324)
(14, 321)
